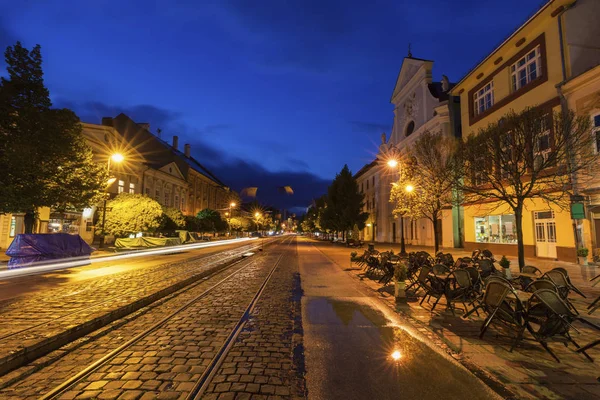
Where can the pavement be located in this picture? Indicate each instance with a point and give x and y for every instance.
(528, 371)
(350, 335)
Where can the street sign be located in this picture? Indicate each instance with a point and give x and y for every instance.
(577, 211)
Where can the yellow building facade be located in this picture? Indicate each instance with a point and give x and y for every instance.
(526, 70)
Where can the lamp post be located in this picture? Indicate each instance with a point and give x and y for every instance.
(409, 188)
(257, 216)
(115, 158)
(229, 215)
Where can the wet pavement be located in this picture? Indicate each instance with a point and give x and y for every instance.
(528, 372)
(350, 336)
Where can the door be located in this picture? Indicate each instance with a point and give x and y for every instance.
(545, 234)
(597, 231)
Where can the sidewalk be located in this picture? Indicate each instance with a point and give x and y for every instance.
(528, 371)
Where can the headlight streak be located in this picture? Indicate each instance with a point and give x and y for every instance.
(38, 269)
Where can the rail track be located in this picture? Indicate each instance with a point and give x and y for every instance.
(255, 272)
(39, 337)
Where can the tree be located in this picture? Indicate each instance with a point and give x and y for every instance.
(533, 154)
(427, 178)
(210, 221)
(344, 204)
(173, 219)
(131, 213)
(43, 157)
(240, 224)
(192, 223)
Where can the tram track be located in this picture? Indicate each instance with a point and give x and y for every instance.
(39, 339)
(256, 273)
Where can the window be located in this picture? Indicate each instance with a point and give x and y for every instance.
(167, 199)
(147, 191)
(132, 188)
(596, 130)
(121, 187)
(367, 184)
(362, 187)
(373, 182)
(526, 69)
(157, 194)
(176, 203)
(373, 204)
(496, 229)
(484, 98)
(410, 128)
(543, 146)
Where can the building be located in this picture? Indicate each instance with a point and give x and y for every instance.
(420, 105)
(184, 183)
(555, 44)
(582, 93)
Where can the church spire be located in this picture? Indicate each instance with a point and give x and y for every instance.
(409, 52)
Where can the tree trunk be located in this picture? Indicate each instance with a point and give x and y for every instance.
(520, 246)
(436, 245)
(29, 221)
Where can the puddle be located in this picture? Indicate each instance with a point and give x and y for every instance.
(357, 353)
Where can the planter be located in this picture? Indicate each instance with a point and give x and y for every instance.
(583, 261)
(400, 290)
(507, 273)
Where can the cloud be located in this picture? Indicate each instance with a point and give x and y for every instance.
(369, 127)
(235, 172)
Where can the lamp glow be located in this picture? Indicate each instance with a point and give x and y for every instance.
(410, 188)
(396, 355)
(392, 163)
(117, 157)
(232, 204)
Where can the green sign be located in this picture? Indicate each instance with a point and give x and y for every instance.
(577, 211)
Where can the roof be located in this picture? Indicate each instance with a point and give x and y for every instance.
(155, 150)
(365, 169)
(513, 34)
(435, 88)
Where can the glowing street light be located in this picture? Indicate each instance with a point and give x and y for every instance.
(118, 158)
(396, 355)
(409, 188)
(392, 163)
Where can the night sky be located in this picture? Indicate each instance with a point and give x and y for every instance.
(268, 92)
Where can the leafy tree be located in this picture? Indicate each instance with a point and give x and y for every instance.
(173, 219)
(192, 223)
(132, 213)
(533, 154)
(240, 224)
(43, 157)
(211, 221)
(427, 178)
(344, 204)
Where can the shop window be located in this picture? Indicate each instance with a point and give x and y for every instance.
(121, 187)
(496, 229)
(13, 226)
(132, 188)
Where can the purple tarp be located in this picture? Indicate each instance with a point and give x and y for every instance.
(27, 249)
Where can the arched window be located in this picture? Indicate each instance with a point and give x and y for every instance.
(410, 128)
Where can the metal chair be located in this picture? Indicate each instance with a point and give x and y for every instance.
(500, 310)
(551, 319)
(486, 268)
(460, 290)
(560, 280)
(571, 286)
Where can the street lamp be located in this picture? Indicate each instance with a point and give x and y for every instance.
(409, 188)
(117, 157)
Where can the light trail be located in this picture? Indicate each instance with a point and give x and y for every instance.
(46, 267)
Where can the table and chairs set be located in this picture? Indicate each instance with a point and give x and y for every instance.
(534, 302)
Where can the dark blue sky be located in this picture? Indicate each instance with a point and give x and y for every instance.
(268, 92)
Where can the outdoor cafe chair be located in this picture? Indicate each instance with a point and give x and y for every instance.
(440, 269)
(460, 290)
(571, 286)
(433, 288)
(594, 306)
(486, 268)
(500, 311)
(560, 280)
(551, 319)
(529, 269)
(539, 284)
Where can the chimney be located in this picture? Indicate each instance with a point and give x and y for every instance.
(445, 83)
(187, 150)
(175, 142)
